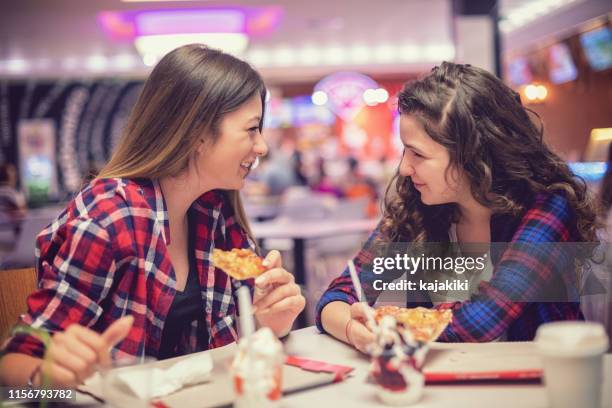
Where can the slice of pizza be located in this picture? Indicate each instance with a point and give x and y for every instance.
(385, 311)
(425, 324)
(238, 263)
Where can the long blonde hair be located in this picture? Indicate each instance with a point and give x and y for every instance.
(183, 100)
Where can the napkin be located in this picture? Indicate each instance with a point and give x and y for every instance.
(159, 382)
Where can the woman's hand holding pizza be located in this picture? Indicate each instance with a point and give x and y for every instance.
(277, 299)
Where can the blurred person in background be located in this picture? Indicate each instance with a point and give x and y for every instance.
(325, 184)
(475, 169)
(357, 186)
(276, 173)
(282, 169)
(13, 205)
(298, 169)
(126, 269)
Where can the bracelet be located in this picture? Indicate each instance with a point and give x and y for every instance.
(346, 331)
(31, 377)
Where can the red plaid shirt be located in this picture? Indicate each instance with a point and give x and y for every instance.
(105, 256)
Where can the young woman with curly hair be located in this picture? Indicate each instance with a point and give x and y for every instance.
(475, 169)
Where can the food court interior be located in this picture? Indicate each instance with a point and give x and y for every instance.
(71, 70)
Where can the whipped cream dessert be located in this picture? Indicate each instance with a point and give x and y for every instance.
(396, 361)
(257, 370)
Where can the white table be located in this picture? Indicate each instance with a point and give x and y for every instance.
(285, 228)
(261, 211)
(355, 392)
(299, 231)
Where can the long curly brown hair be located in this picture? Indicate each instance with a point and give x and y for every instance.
(490, 136)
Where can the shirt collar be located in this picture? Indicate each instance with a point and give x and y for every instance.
(213, 199)
(161, 211)
(152, 193)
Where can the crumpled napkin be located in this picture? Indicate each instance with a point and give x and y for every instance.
(160, 382)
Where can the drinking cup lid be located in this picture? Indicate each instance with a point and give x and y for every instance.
(572, 338)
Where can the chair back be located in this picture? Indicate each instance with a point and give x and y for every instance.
(15, 287)
(22, 255)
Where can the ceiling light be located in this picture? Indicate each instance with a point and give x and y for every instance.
(358, 54)
(17, 66)
(190, 21)
(409, 53)
(283, 56)
(334, 55)
(535, 93)
(70, 63)
(369, 97)
(381, 95)
(258, 57)
(160, 45)
(439, 52)
(309, 55)
(149, 60)
(123, 62)
(384, 53)
(529, 11)
(319, 98)
(96, 63)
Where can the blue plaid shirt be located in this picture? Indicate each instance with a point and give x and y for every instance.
(522, 272)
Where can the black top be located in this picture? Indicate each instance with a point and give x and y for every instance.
(186, 307)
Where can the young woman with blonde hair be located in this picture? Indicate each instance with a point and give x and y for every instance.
(127, 265)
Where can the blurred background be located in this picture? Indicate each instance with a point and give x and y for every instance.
(70, 71)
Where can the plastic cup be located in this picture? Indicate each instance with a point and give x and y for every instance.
(257, 370)
(266, 394)
(263, 390)
(572, 356)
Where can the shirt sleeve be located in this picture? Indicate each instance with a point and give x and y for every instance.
(341, 289)
(524, 274)
(76, 268)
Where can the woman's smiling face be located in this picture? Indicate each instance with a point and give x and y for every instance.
(226, 164)
(426, 162)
